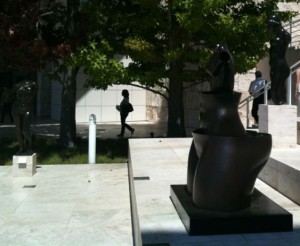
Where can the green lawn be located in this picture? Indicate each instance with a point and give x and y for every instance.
(48, 152)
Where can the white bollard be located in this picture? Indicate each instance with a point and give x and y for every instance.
(92, 139)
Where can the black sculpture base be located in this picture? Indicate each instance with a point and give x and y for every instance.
(264, 215)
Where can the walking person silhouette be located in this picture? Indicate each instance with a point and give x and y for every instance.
(124, 109)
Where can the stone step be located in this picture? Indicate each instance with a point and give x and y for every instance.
(282, 172)
(157, 163)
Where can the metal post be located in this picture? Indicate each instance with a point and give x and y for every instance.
(289, 90)
(92, 139)
(266, 94)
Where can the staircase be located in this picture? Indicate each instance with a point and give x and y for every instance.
(247, 100)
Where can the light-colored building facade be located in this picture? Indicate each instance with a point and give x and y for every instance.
(89, 101)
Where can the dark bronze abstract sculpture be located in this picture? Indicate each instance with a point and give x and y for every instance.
(223, 164)
(224, 159)
(221, 68)
(22, 110)
(279, 68)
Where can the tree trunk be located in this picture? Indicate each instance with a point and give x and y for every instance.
(176, 125)
(68, 108)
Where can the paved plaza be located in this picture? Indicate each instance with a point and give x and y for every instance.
(78, 205)
(143, 129)
(89, 205)
(165, 165)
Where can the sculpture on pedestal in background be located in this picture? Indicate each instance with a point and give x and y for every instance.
(22, 111)
(279, 68)
(224, 159)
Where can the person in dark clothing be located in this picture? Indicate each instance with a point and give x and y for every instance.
(123, 109)
(256, 90)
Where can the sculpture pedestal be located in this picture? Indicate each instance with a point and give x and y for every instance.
(24, 165)
(263, 215)
(281, 122)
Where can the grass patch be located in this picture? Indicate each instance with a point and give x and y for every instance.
(48, 151)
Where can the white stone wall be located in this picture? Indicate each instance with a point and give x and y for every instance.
(289, 6)
(157, 108)
(281, 122)
(99, 102)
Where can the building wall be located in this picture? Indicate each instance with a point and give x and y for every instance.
(103, 104)
(157, 107)
(99, 102)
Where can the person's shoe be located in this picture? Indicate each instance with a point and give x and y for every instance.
(120, 135)
(132, 131)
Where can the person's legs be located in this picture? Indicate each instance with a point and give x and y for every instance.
(255, 110)
(256, 101)
(123, 124)
(129, 128)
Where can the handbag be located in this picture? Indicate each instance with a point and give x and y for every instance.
(129, 107)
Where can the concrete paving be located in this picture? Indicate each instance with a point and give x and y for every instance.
(89, 204)
(66, 205)
(165, 165)
(143, 129)
(62, 205)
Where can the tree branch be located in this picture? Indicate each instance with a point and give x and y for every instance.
(152, 90)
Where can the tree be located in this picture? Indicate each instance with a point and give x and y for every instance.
(73, 30)
(164, 37)
(19, 46)
(32, 34)
(67, 29)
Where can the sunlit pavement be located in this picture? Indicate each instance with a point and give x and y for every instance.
(89, 204)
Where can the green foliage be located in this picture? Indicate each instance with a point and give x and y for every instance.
(140, 49)
(242, 25)
(98, 61)
(173, 40)
(155, 34)
(48, 152)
